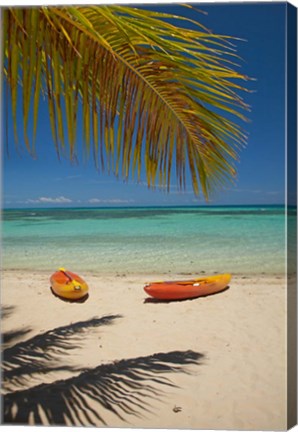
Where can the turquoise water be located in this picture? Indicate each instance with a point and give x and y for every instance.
(146, 240)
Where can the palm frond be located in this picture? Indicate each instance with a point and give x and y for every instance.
(124, 388)
(155, 96)
(6, 311)
(44, 352)
(9, 338)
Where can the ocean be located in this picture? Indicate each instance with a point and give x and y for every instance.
(151, 240)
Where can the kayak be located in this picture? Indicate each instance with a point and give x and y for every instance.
(68, 285)
(186, 289)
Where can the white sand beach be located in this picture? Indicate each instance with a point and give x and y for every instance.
(117, 360)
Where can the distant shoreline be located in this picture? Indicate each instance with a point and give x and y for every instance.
(204, 206)
(143, 277)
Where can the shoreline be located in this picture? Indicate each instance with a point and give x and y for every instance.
(215, 362)
(157, 274)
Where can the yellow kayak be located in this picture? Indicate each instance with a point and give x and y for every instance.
(68, 285)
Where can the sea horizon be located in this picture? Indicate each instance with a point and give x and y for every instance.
(136, 206)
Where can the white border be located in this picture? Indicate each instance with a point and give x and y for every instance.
(7, 428)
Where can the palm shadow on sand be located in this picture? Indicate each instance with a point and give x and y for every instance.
(44, 352)
(123, 388)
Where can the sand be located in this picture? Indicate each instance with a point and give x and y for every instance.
(117, 360)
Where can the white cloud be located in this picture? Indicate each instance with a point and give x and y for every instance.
(56, 200)
(71, 177)
(255, 191)
(94, 201)
(109, 201)
(275, 192)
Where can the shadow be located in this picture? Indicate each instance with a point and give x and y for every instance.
(154, 300)
(42, 353)
(122, 388)
(6, 311)
(10, 338)
(81, 300)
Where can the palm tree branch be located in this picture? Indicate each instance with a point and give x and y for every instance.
(153, 77)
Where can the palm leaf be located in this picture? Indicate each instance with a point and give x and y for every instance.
(42, 353)
(124, 388)
(154, 95)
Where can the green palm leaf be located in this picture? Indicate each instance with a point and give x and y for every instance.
(154, 96)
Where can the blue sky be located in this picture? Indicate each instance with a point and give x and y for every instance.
(49, 182)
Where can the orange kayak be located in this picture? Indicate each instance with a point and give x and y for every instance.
(186, 289)
(68, 285)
